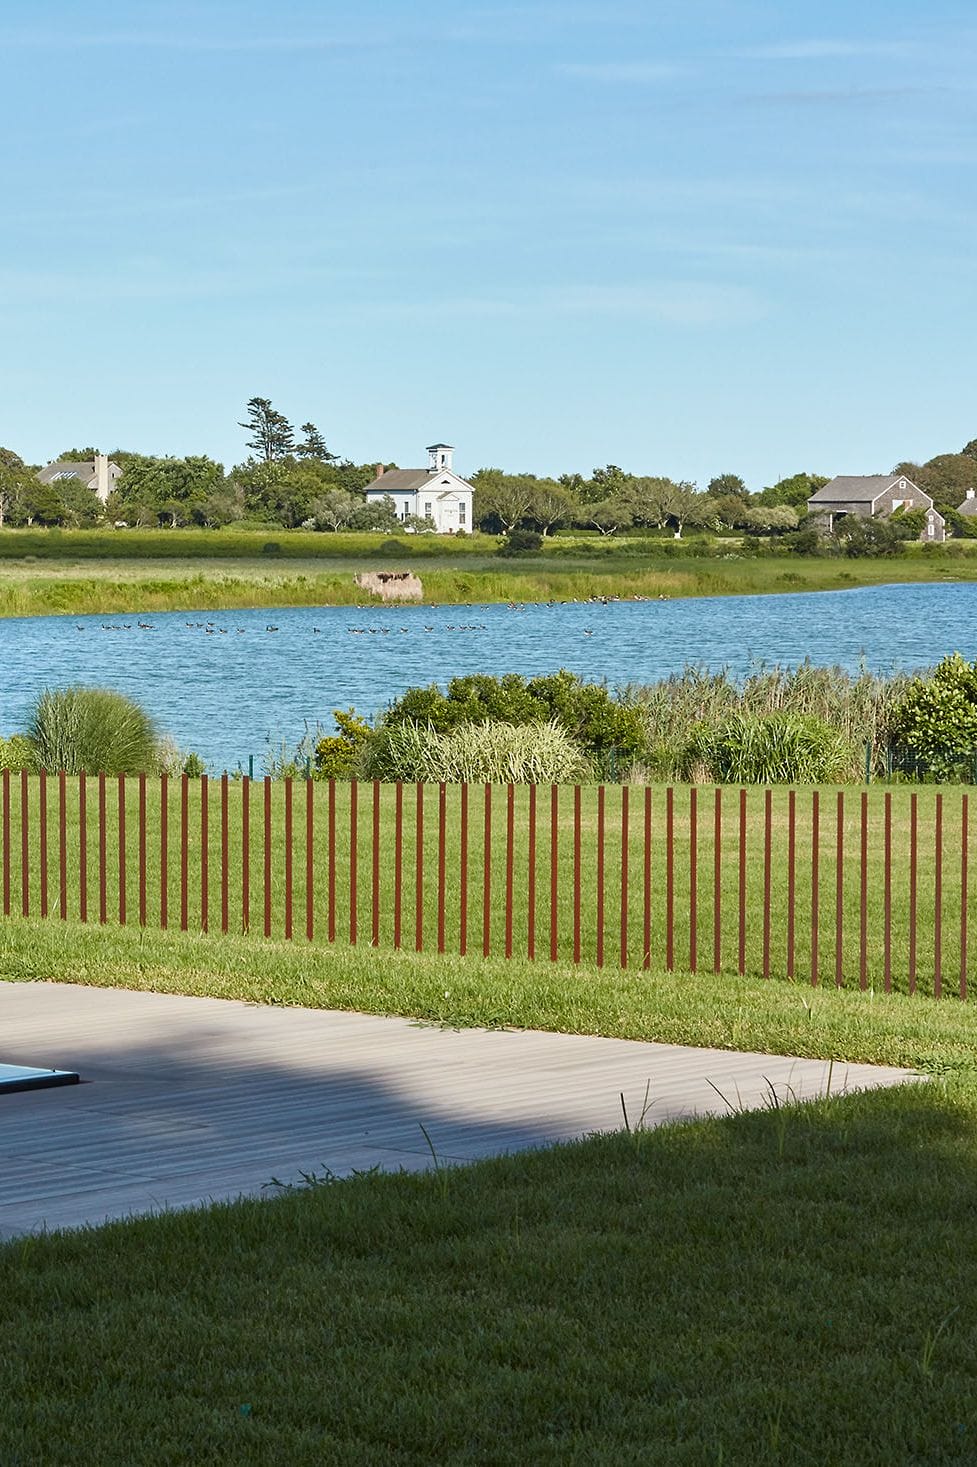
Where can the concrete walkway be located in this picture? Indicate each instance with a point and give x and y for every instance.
(191, 1100)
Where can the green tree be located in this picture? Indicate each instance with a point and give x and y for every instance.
(272, 435)
(313, 445)
(502, 500)
(795, 490)
(945, 478)
(936, 721)
(332, 511)
(552, 505)
(726, 484)
(171, 491)
(609, 515)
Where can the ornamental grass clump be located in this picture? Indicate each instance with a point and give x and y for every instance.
(92, 730)
(775, 748)
(476, 753)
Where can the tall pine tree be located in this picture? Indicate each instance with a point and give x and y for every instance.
(313, 445)
(272, 435)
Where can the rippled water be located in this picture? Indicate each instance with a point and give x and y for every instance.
(225, 687)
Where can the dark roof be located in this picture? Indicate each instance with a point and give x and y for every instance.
(856, 488)
(969, 506)
(66, 468)
(400, 479)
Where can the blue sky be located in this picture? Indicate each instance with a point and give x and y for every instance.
(685, 236)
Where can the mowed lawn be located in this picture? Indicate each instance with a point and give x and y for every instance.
(529, 873)
(796, 1286)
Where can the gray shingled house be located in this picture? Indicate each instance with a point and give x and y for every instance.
(969, 506)
(98, 473)
(872, 496)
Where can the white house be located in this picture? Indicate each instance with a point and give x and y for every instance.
(99, 473)
(436, 494)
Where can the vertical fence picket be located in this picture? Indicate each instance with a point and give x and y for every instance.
(331, 862)
(309, 859)
(164, 820)
(741, 953)
(289, 859)
(102, 853)
(204, 783)
(717, 882)
(122, 850)
(531, 877)
(510, 840)
(62, 846)
(938, 902)
(398, 861)
(625, 854)
(5, 783)
(419, 870)
(266, 854)
(554, 870)
(354, 790)
(184, 852)
(225, 855)
(840, 891)
(246, 853)
(669, 879)
(25, 849)
(487, 875)
(442, 859)
(646, 884)
(767, 868)
(791, 879)
(913, 841)
(815, 884)
(964, 863)
(463, 871)
(887, 893)
(693, 879)
(141, 840)
(601, 821)
(863, 895)
(375, 891)
(42, 829)
(576, 873)
(83, 847)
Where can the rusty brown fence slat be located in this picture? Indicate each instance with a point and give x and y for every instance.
(791, 880)
(669, 879)
(554, 870)
(225, 855)
(204, 783)
(164, 821)
(964, 864)
(717, 882)
(375, 892)
(398, 861)
(442, 859)
(938, 901)
(289, 859)
(25, 848)
(840, 890)
(122, 850)
(767, 867)
(576, 873)
(266, 854)
(62, 844)
(246, 853)
(863, 895)
(487, 875)
(141, 838)
(463, 871)
(510, 857)
(646, 885)
(331, 862)
(815, 883)
(5, 784)
(354, 789)
(887, 894)
(531, 877)
(309, 860)
(913, 839)
(42, 828)
(601, 818)
(184, 852)
(741, 954)
(103, 847)
(419, 871)
(693, 879)
(83, 847)
(625, 852)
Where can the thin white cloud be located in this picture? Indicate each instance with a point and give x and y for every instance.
(623, 71)
(822, 50)
(169, 41)
(673, 303)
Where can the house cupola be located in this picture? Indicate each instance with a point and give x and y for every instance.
(441, 455)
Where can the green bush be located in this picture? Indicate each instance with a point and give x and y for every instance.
(339, 756)
(94, 730)
(477, 753)
(776, 748)
(935, 722)
(17, 752)
(521, 542)
(609, 730)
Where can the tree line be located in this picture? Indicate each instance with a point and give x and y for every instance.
(292, 479)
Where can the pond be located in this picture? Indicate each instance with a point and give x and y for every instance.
(227, 683)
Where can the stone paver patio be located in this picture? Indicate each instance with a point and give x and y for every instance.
(189, 1100)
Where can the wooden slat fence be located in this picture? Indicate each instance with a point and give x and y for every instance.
(865, 888)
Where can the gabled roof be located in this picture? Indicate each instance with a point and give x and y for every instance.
(858, 488)
(401, 479)
(83, 470)
(968, 507)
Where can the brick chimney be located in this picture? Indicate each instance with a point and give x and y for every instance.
(380, 471)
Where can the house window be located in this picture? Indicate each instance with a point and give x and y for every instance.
(428, 510)
(462, 512)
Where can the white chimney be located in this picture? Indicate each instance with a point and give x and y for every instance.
(102, 485)
(971, 493)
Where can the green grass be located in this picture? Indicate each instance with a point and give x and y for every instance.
(795, 1286)
(201, 912)
(100, 572)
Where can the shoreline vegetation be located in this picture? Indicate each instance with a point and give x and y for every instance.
(101, 573)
